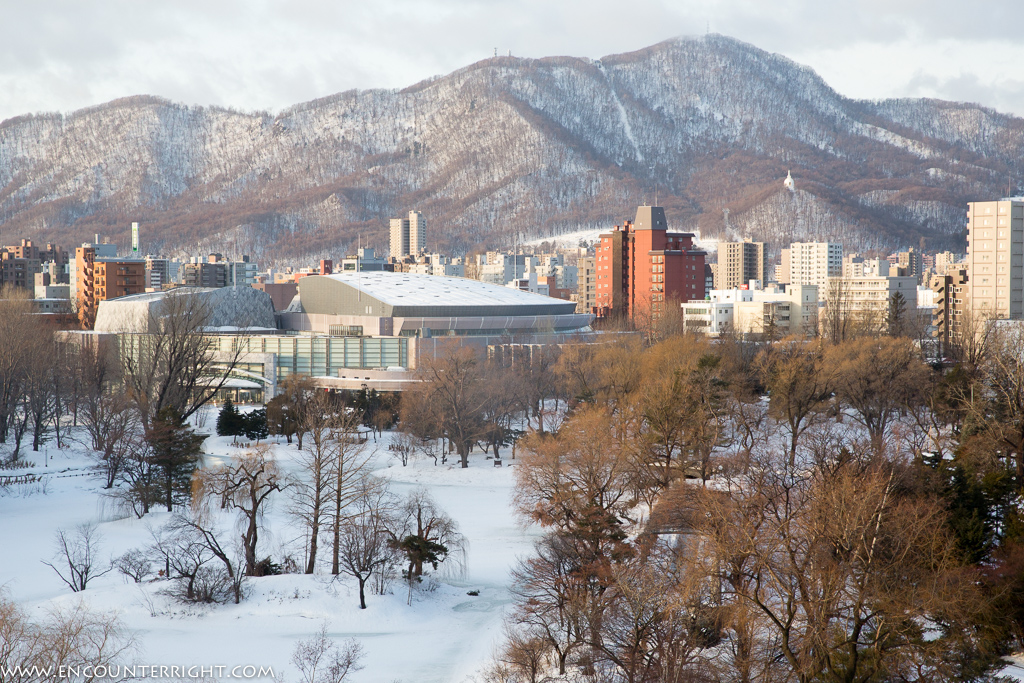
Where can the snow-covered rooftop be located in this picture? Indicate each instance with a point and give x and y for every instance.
(411, 289)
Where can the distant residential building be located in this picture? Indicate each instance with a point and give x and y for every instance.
(19, 263)
(782, 270)
(162, 272)
(753, 311)
(101, 278)
(944, 259)
(18, 272)
(928, 263)
(643, 265)
(55, 308)
(778, 313)
(586, 288)
(531, 283)
(910, 264)
(99, 250)
(712, 318)
(813, 263)
(217, 272)
(241, 273)
(950, 295)
(28, 249)
(554, 266)
(365, 260)
(58, 272)
(45, 288)
(209, 273)
(927, 310)
(855, 265)
(408, 235)
(499, 268)
(868, 300)
(739, 263)
(995, 258)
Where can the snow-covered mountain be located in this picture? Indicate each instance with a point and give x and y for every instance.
(512, 148)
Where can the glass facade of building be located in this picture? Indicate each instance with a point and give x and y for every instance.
(322, 356)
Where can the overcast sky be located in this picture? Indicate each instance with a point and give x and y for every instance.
(60, 55)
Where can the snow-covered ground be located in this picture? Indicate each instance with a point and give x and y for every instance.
(444, 635)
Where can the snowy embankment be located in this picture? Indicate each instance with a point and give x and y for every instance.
(443, 635)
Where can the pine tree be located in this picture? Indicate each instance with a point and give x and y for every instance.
(175, 452)
(255, 425)
(229, 422)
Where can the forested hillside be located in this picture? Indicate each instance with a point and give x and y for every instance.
(709, 126)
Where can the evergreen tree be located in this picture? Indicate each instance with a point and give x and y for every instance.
(229, 421)
(176, 450)
(419, 551)
(255, 425)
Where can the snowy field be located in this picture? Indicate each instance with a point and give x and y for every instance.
(444, 635)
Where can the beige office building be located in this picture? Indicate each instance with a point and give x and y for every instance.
(995, 258)
(739, 263)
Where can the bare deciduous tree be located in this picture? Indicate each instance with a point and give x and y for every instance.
(185, 546)
(140, 487)
(878, 378)
(798, 384)
(75, 557)
(245, 484)
(553, 602)
(114, 430)
(452, 394)
(320, 660)
(332, 464)
(834, 571)
(175, 364)
(365, 546)
(135, 565)
(17, 342)
(69, 636)
(579, 481)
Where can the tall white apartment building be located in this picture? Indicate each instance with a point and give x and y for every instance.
(417, 232)
(408, 235)
(813, 263)
(995, 258)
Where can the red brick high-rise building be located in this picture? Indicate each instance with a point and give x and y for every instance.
(100, 279)
(641, 265)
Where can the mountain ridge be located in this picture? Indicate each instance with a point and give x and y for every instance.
(511, 147)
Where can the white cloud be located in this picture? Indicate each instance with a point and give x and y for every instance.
(263, 54)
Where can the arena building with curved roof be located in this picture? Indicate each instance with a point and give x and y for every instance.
(352, 330)
(424, 306)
